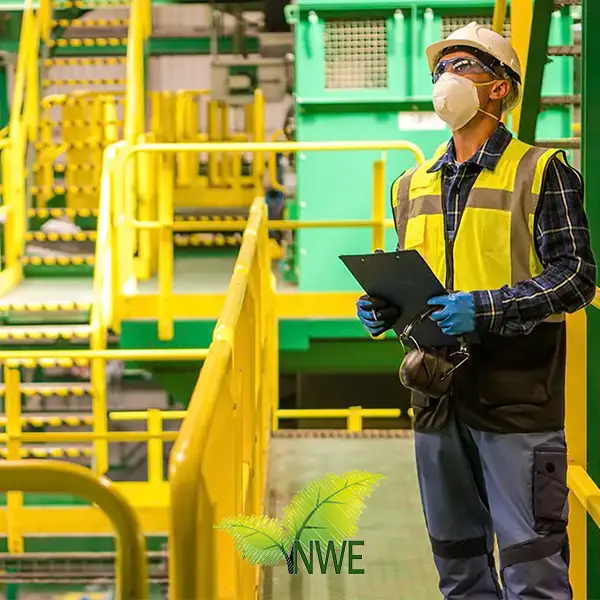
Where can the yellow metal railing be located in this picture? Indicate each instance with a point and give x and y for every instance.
(218, 463)
(15, 436)
(45, 476)
(22, 128)
(158, 165)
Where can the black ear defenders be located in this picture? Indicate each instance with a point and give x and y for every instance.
(426, 370)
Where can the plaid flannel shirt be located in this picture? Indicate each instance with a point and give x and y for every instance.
(562, 242)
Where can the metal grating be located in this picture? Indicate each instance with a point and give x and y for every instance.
(450, 24)
(70, 568)
(355, 54)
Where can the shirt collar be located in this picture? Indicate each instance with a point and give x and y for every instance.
(487, 156)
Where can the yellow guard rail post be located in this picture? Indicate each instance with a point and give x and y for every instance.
(43, 476)
(218, 463)
(585, 494)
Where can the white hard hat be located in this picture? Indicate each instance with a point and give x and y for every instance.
(486, 40)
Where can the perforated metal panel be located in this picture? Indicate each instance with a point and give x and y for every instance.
(450, 24)
(355, 54)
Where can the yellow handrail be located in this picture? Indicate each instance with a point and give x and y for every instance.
(217, 466)
(44, 476)
(273, 147)
(126, 213)
(21, 128)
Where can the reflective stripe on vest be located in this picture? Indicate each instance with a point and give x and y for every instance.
(494, 244)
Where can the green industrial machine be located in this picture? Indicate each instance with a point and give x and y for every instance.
(361, 74)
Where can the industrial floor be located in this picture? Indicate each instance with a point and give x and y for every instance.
(193, 274)
(396, 553)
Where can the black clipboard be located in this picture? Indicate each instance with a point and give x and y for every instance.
(404, 279)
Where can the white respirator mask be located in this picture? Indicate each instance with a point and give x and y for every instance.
(455, 100)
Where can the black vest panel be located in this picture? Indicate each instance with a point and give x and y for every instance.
(516, 384)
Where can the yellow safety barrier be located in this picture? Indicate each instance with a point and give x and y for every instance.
(218, 463)
(354, 415)
(22, 128)
(22, 444)
(135, 257)
(18, 476)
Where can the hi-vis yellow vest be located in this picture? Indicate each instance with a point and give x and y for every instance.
(494, 244)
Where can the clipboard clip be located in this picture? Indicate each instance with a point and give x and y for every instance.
(427, 370)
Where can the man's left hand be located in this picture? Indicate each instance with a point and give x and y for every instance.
(457, 313)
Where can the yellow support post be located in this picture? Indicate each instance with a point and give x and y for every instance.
(98, 379)
(14, 500)
(521, 17)
(258, 122)
(379, 204)
(165, 250)
(155, 447)
(576, 428)
(355, 419)
(213, 136)
(499, 16)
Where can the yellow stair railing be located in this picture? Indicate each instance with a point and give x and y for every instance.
(45, 476)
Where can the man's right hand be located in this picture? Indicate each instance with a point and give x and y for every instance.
(376, 315)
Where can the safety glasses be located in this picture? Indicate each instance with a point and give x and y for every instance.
(461, 65)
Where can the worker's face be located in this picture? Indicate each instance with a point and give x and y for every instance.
(490, 89)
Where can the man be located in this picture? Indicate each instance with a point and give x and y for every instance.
(502, 224)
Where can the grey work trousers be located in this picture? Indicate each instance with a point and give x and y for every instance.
(474, 484)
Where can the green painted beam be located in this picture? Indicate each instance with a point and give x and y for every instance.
(156, 47)
(197, 45)
(351, 356)
(590, 159)
(536, 61)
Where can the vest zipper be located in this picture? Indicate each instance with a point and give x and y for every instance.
(449, 244)
(449, 265)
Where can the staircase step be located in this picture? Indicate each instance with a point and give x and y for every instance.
(80, 236)
(49, 390)
(81, 23)
(65, 189)
(62, 261)
(42, 307)
(49, 420)
(86, 61)
(46, 83)
(51, 452)
(48, 363)
(90, 4)
(87, 42)
(45, 333)
(186, 240)
(57, 213)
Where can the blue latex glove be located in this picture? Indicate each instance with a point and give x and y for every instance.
(457, 315)
(376, 315)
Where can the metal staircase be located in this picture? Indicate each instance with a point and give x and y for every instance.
(79, 74)
(540, 53)
(82, 67)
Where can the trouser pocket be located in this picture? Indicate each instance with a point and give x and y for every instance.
(550, 489)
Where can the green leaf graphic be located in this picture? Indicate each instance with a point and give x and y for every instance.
(329, 508)
(259, 539)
